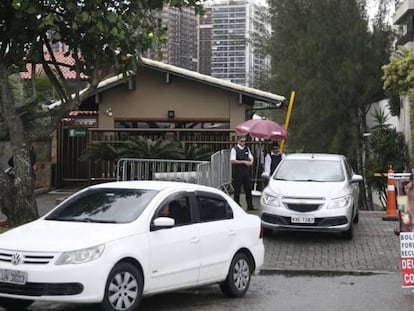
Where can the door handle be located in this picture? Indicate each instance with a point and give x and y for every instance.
(194, 240)
(232, 232)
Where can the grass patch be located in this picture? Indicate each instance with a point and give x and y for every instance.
(4, 226)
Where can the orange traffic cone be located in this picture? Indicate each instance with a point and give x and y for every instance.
(391, 213)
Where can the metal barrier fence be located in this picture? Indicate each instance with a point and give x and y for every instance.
(221, 170)
(216, 173)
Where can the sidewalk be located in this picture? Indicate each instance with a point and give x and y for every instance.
(375, 247)
(48, 200)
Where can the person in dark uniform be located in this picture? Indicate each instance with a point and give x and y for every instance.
(33, 162)
(242, 160)
(272, 159)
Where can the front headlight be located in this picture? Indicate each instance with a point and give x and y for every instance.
(270, 199)
(81, 255)
(344, 201)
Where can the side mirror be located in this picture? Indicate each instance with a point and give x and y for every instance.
(265, 175)
(356, 178)
(162, 223)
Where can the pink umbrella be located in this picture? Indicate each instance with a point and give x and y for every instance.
(262, 128)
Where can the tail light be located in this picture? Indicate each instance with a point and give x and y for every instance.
(261, 231)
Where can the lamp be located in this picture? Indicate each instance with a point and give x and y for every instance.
(171, 114)
(109, 112)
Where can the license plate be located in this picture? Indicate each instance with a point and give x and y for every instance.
(13, 276)
(303, 219)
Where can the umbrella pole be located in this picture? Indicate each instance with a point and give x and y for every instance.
(259, 157)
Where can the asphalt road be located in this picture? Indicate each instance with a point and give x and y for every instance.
(302, 271)
(379, 292)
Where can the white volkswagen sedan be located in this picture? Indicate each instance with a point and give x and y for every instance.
(113, 243)
(312, 192)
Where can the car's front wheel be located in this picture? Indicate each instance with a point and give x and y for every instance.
(123, 290)
(15, 304)
(348, 234)
(238, 278)
(267, 231)
(356, 218)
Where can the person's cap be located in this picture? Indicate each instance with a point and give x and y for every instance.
(275, 144)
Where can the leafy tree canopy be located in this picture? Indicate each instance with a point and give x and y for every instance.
(104, 37)
(325, 51)
(399, 73)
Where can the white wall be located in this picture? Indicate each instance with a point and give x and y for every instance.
(381, 105)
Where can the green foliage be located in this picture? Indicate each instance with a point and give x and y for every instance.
(399, 79)
(394, 104)
(336, 74)
(103, 31)
(100, 152)
(386, 147)
(44, 88)
(143, 148)
(103, 37)
(196, 152)
(399, 73)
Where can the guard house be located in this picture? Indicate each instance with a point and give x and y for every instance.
(160, 101)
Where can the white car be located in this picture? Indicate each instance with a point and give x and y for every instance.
(312, 192)
(115, 242)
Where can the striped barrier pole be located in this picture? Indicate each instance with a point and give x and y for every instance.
(391, 212)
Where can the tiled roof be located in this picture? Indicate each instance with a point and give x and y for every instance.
(78, 113)
(68, 73)
(241, 89)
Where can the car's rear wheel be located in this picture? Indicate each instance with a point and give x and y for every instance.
(238, 278)
(123, 290)
(15, 304)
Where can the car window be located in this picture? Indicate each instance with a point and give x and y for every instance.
(310, 170)
(349, 170)
(212, 209)
(178, 208)
(104, 205)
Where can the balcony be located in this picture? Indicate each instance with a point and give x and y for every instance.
(403, 9)
(403, 40)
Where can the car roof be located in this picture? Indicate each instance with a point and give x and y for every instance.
(315, 156)
(152, 185)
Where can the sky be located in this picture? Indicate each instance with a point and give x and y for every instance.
(372, 6)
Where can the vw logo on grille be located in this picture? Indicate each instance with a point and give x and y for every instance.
(16, 259)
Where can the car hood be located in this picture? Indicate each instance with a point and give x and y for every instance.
(57, 236)
(309, 189)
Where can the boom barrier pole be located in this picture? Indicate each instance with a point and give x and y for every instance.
(289, 112)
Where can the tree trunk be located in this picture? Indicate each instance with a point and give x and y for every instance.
(364, 156)
(17, 198)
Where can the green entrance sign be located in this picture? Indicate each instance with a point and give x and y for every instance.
(79, 132)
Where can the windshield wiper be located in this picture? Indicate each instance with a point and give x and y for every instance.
(310, 180)
(87, 219)
(62, 218)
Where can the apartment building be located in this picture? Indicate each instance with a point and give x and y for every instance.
(233, 54)
(217, 43)
(181, 46)
(205, 26)
(403, 18)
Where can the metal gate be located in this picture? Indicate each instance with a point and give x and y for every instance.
(71, 143)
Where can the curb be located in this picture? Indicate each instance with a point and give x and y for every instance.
(43, 190)
(305, 272)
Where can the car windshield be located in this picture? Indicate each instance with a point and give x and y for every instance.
(104, 206)
(310, 170)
